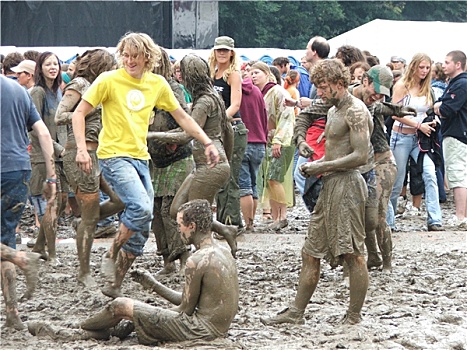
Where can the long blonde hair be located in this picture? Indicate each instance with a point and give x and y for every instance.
(409, 81)
(233, 66)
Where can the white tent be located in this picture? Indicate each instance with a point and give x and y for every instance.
(385, 38)
(66, 53)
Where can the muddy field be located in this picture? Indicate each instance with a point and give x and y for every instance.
(421, 305)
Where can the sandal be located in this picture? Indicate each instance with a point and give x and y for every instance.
(267, 217)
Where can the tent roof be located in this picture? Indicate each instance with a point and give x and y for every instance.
(68, 53)
(386, 38)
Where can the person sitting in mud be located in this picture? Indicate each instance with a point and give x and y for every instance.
(209, 111)
(86, 186)
(205, 308)
(19, 115)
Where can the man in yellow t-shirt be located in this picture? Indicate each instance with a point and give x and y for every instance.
(128, 96)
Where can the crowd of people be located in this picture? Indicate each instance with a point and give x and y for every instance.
(162, 144)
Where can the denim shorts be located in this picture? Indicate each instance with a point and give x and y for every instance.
(15, 186)
(131, 181)
(252, 159)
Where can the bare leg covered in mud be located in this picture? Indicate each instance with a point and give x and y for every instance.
(108, 268)
(47, 231)
(186, 192)
(91, 212)
(28, 263)
(122, 265)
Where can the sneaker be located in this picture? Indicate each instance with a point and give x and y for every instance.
(288, 315)
(401, 203)
(435, 227)
(105, 231)
(456, 224)
(410, 210)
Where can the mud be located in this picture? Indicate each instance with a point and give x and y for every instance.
(421, 305)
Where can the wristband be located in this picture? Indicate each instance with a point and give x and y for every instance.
(296, 104)
(206, 145)
(51, 181)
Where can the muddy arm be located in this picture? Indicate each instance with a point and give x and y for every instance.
(148, 282)
(177, 138)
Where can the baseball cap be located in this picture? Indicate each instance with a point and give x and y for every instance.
(382, 79)
(224, 42)
(27, 66)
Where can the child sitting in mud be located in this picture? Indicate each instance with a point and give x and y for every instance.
(205, 308)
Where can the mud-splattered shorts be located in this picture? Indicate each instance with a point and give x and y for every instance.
(154, 324)
(337, 225)
(78, 179)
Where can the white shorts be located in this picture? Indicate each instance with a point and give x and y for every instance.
(455, 162)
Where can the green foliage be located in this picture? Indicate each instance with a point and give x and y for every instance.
(290, 24)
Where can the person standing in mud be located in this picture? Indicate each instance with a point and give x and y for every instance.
(337, 227)
(225, 71)
(205, 308)
(376, 84)
(86, 186)
(209, 111)
(18, 116)
(46, 96)
(171, 165)
(128, 96)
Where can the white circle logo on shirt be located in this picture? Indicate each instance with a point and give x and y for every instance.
(135, 100)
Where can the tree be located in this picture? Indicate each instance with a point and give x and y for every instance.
(290, 24)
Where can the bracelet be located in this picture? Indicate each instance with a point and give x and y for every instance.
(51, 181)
(418, 125)
(206, 145)
(296, 104)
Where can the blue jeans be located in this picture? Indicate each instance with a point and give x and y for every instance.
(252, 159)
(402, 147)
(131, 181)
(15, 185)
(299, 178)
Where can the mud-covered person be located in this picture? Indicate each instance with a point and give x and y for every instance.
(205, 307)
(128, 96)
(337, 227)
(86, 186)
(208, 111)
(18, 116)
(46, 96)
(171, 165)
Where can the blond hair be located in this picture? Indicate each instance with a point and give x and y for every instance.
(265, 69)
(409, 81)
(140, 44)
(233, 66)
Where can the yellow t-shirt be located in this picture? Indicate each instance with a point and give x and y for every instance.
(127, 104)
